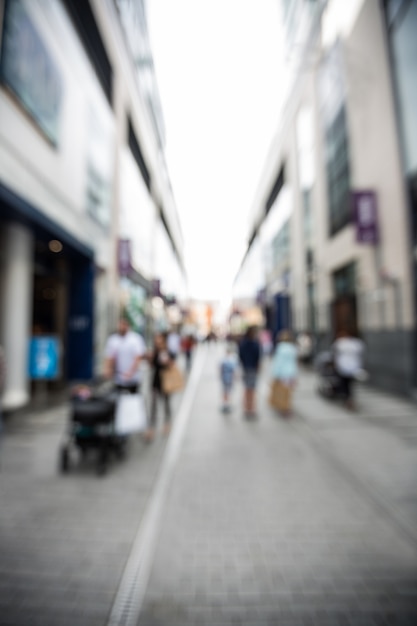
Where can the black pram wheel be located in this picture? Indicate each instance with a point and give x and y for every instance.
(120, 446)
(64, 460)
(102, 462)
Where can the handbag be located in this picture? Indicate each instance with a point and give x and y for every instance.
(172, 379)
(280, 396)
(130, 414)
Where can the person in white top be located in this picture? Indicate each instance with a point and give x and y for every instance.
(348, 352)
(174, 343)
(123, 354)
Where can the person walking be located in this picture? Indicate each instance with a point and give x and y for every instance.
(227, 376)
(284, 371)
(160, 359)
(250, 358)
(173, 340)
(124, 351)
(187, 346)
(348, 353)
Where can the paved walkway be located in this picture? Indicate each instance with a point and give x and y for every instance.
(306, 521)
(266, 524)
(64, 540)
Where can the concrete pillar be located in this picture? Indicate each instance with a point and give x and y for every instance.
(16, 318)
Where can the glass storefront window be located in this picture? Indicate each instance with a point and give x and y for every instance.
(338, 172)
(344, 280)
(404, 43)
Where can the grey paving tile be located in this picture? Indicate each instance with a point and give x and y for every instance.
(265, 524)
(257, 528)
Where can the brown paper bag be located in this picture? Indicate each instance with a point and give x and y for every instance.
(280, 396)
(172, 379)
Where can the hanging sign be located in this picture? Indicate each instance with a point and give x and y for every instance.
(124, 257)
(365, 217)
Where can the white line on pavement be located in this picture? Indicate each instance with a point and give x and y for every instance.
(131, 592)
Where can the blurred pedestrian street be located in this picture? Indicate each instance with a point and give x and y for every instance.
(304, 521)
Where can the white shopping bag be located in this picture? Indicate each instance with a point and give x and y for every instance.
(130, 414)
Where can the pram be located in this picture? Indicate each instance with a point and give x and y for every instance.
(92, 427)
(329, 380)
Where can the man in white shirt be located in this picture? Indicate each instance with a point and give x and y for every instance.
(123, 354)
(348, 352)
(173, 343)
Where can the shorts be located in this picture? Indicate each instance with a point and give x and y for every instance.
(250, 378)
(227, 387)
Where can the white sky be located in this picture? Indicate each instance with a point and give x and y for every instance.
(218, 66)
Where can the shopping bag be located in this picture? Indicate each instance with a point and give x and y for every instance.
(130, 414)
(172, 379)
(280, 396)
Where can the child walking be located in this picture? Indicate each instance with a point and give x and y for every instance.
(227, 376)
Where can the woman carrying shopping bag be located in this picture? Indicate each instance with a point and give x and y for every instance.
(163, 370)
(284, 371)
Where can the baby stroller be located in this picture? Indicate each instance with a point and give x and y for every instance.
(329, 380)
(92, 427)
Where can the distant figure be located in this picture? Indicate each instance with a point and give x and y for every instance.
(123, 354)
(211, 336)
(173, 343)
(284, 370)
(227, 375)
(250, 358)
(160, 358)
(187, 345)
(348, 353)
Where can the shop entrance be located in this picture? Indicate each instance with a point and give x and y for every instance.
(46, 312)
(63, 308)
(344, 306)
(344, 314)
(50, 301)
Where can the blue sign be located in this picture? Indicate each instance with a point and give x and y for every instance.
(44, 358)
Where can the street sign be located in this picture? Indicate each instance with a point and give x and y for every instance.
(43, 358)
(365, 216)
(124, 257)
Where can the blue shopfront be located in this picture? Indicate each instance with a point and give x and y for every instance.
(62, 299)
(282, 307)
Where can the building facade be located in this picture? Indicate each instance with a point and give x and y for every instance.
(333, 214)
(88, 222)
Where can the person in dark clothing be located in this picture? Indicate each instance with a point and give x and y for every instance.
(187, 347)
(159, 359)
(250, 358)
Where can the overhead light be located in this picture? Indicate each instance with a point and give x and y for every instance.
(55, 245)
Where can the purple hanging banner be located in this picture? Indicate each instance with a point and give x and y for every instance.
(365, 217)
(124, 257)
